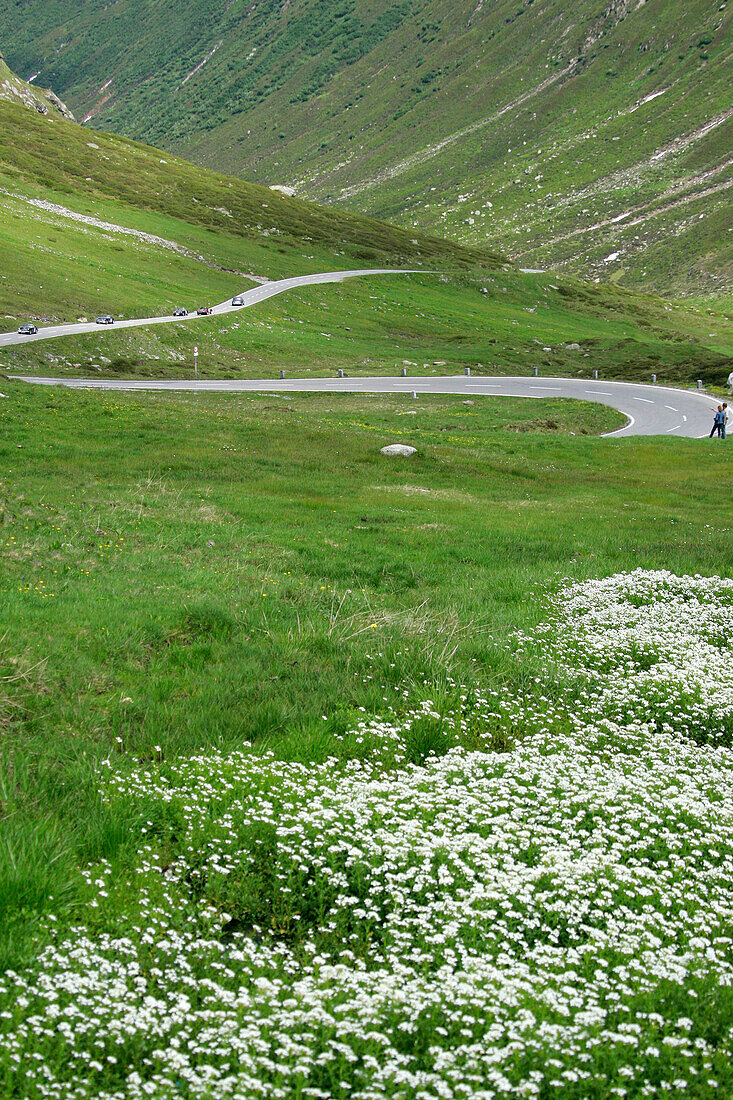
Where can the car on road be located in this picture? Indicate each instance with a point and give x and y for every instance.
(180, 312)
(105, 319)
(204, 311)
(237, 300)
(27, 330)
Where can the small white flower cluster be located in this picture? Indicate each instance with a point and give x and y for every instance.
(554, 920)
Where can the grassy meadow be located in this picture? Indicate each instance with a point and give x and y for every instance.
(328, 773)
(300, 789)
(183, 573)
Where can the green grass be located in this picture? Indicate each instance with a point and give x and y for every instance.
(54, 155)
(184, 573)
(188, 575)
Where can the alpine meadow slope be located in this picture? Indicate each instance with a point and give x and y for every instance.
(593, 137)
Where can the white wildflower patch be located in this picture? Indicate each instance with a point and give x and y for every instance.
(650, 647)
(512, 898)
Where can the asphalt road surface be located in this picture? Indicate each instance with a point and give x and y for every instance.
(650, 410)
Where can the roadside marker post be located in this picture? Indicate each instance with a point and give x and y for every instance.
(195, 362)
(535, 371)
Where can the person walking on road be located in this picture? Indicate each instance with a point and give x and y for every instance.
(718, 423)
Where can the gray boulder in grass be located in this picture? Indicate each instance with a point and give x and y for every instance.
(398, 449)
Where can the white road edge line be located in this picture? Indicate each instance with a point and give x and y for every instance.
(631, 422)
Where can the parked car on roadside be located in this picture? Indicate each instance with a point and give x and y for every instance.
(204, 311)
(105, 319)
(180, 312)
(27, 330)
(237, 300)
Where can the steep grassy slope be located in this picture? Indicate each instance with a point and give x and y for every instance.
(68, 159)
(92, 223)
(89, 219)
(587, 135)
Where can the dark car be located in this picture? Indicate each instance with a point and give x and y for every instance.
(237, 300)
(180, 312)
(27, 330)
(204, 311)
(105, 319)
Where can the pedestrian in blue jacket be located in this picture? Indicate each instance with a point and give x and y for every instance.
(718, 424)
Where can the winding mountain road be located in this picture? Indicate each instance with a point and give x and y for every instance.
(649, 409)
(250, 298)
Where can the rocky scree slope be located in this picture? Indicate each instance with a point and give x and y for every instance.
(594, 136)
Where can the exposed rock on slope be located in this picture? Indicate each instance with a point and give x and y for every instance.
(42, 100)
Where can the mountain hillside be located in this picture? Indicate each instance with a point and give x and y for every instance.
(93, 223)
(594, 135)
